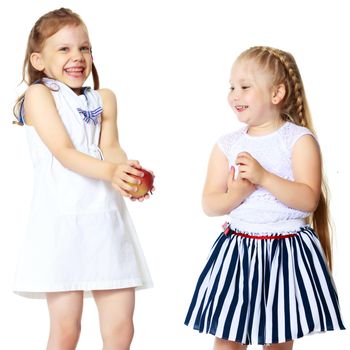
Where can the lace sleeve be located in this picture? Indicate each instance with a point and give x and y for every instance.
(292, 133)
(228, 141)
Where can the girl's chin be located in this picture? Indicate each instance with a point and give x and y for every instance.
(241, 118)
(75, 83)
(76, 87)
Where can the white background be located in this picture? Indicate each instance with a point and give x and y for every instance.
(169, 63)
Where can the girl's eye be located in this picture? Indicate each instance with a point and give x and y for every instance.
(245, 87)
(85, 49)
(231, 88)
(63, 49)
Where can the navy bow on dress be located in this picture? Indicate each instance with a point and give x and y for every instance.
(91, 115)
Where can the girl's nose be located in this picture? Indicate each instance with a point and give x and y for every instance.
(234, 95)
(237, 94)
(77, 55)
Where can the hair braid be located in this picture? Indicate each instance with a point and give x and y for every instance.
(294, 108)
(284, 70)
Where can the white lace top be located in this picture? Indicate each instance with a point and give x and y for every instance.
(274, 153)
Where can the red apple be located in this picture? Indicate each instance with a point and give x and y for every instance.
(145, 186)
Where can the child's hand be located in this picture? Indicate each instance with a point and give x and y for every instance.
(121, 179)
(146, 196)
(250, 169)
(244, 186)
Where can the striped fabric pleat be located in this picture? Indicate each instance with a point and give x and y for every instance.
(264, 291)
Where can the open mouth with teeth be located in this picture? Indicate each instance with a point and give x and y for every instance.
(74, 71)
(241, 108)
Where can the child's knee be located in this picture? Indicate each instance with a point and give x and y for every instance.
(281, 346)
(222, 344)
(119, 334)
(65, 333)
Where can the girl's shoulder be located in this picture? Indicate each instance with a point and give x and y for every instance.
(108, 101)
(36, 89)
(291, 133)
(35, 94)
(106, 93)
(227, 141)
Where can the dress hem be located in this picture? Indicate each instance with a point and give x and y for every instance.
(253, 343)
(86, 287)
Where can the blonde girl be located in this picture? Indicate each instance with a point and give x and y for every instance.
(267, 280)
(80, 237)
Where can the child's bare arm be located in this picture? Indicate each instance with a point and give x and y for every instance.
(303, 193)
(222, 193)
(41, 113)
(109, 139)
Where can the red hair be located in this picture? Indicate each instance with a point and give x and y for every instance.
(46, 26)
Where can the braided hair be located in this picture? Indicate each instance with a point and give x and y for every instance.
(284, 70)
(294, 108)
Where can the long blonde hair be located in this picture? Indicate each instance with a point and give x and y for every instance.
(46, 26)
(294, 108)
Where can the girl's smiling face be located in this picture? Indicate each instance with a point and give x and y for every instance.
(251, 94)
(66, 57)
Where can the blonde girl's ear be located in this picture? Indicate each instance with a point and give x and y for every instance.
(278, 93)
(36, 61)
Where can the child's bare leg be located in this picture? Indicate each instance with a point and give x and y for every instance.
(282, 346)
(65, 309)
(222, 344)
(116, 308)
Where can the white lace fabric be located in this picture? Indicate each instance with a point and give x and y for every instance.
(274, 152)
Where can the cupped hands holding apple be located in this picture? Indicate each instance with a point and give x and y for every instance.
(132, 181)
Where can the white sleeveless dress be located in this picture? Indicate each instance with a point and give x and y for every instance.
(80, 235)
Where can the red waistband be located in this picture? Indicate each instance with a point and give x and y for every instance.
(229, 231)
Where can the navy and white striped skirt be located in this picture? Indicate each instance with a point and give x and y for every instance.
(265, 288)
